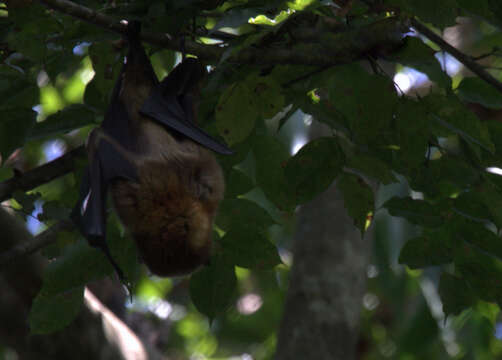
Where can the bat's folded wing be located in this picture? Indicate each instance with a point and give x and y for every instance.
(167, 110)
(90, 212)
(108, 147)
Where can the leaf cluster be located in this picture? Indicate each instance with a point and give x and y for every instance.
(377, 133)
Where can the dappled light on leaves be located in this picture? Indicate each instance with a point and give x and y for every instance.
(410, 142)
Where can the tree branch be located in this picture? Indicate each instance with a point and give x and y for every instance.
(206, 52)
(41, 240)
(41, 175)
(327, 48)
(460, 56)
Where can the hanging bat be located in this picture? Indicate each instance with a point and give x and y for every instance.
(165, 183)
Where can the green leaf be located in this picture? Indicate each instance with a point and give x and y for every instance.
(417, 55)
(249, 248)
(314, 168)
(79, 264)
(54, 210)
(470, 204)
(56, 248)
(123, 249)
(241, 211)
(440, 13)
(476, 233)
(321, 109)
(6, 172)
(267, 95)
(15, 125)
(358, 199)
(53, 312)
(238, 183)
(271, 156)
(68, 119)
(17, 90)
(236, 113)
(495, 130)
(451, 114)
(27, 201)
(93, 96)
(446, 176)
(418, 212)
(455, 293)
(32, 28)
(212, 287)
(481, 271)
(162, 61)
(475, 90)
(491, 197)
(491, 10)
(107, 64)
(242, 103)
(431, 249)
(367, 101)
(236, 17)
(372, 167)
(413, 132)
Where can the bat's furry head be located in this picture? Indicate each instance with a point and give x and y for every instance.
(170, 212)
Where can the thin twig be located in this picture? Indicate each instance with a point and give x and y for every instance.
(41, 240)
(460, 56)
(494, 52)
(41, 175)
(328, 48)
(109, 23)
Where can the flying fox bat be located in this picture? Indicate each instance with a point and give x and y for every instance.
(165, 183)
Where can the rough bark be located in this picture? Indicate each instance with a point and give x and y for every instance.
(327, 283)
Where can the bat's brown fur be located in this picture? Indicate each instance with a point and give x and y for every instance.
(170, 209)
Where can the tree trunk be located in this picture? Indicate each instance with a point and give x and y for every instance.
(327, 283)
